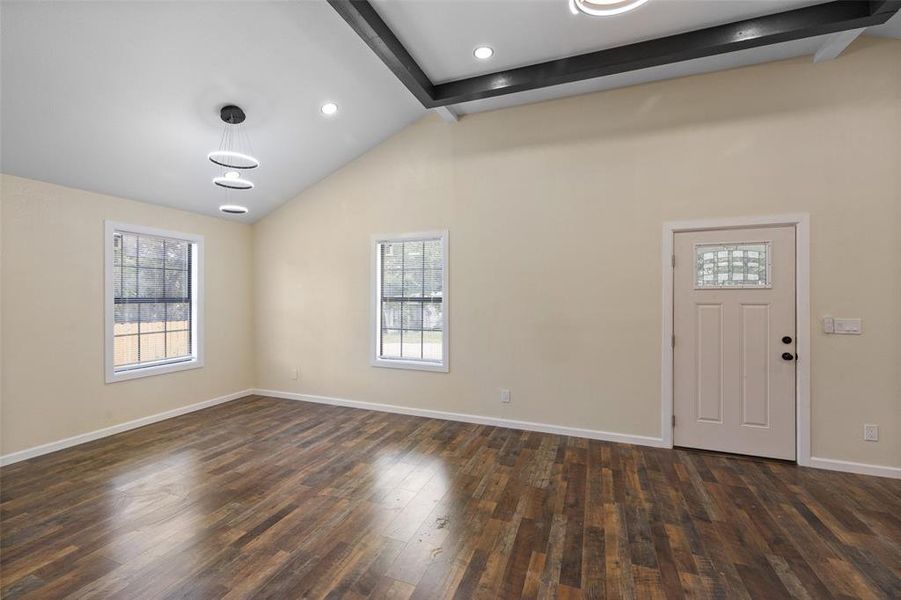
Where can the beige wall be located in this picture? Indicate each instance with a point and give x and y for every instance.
(52, 321)
(555, 213)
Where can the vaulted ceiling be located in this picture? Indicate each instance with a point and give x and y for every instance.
(122, 97)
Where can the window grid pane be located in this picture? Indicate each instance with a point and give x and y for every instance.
(411, 300)
(152, 297)
(732, 265)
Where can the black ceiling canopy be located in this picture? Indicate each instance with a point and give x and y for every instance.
(820, 19)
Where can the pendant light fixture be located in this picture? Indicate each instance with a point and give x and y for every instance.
(233, 209)
(230, 207)
(603, 8)
(233, 181)
(235, 151)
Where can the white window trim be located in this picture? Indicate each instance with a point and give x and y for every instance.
(375, 305)
(196, 360)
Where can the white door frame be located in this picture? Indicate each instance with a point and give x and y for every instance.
(801, 223)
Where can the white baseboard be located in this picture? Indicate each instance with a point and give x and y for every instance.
(14, 457)
(855, 467)
(607, 436)
(592, 434)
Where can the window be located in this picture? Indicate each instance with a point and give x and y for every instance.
(153, 299)
(744, 265)
(410, 301)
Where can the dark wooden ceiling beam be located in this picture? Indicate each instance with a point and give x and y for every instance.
(812, 21)
(367, 23)
(885, 6)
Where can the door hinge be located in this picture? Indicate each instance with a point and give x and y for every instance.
(673, 341)
(674, 420)
(673, 260)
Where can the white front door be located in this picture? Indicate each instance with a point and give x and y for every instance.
(734, 354)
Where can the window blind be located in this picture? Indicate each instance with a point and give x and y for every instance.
(152, 300)
(412, 300)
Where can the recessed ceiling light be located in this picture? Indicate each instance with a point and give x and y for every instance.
(329, 108)
(233, 209)
(483, 52)
(603, 8)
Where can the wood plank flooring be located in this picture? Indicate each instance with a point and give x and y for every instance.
(268, 498)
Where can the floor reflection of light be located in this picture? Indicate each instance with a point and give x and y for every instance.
(154, 509)
(407, 487)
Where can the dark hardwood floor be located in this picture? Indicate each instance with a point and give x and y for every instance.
(271, 498)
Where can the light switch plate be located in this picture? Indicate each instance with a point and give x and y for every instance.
(848, 327)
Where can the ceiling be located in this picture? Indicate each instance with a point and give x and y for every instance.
(441, 34)
(122, 97)
(709, 64)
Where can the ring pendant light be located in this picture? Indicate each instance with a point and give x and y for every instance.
(233, 181)
(235, 150)
(234, 156)
(603, 8)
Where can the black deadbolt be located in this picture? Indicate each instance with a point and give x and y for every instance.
(788, 356)
(787, 340)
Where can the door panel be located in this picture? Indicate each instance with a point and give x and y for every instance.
(710, 362)
(734, 300)
(755, 365)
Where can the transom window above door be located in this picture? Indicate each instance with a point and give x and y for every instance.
(723, 266)
(153, 301)
(410, 301)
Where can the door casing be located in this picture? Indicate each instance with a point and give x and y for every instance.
(801, 223)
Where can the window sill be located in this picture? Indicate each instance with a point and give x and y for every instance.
(137, 373)
(412, 365)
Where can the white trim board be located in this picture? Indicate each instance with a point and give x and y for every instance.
(820, 463)
(90, 436)
(801, 223)
(606, 436)
(846, 466)
(593, 434)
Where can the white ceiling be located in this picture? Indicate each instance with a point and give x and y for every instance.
(121, 97)
(441, 34)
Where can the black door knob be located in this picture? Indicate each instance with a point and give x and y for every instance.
(787, 340)
(788, 356)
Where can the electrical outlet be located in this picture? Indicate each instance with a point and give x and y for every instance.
(871, 433)
(295, 374)
(505, 396)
